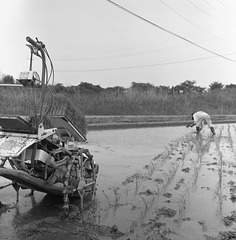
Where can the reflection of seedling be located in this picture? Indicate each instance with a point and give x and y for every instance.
(231, 141)
(230, 137)
(117, 196)
(144, 212)
(217, 139)
(158, 192)
(190, 146)
(187, 189)
(218, 189)
(184, 156)
(126, 192)
(146, 207)
(182, 207)
(107, 198)
(218, 194)
(203, 225)
(138, 182)
(133, 226)
(196, 169)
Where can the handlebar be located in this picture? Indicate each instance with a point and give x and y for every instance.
(32, 42)
(41, 48)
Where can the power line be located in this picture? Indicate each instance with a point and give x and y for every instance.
(228, 8)
(141, 52)
(186, 18)
(216, 9)
(168, 31)
(207, 13)
(140, 66)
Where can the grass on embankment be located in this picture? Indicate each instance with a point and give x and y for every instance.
(22, 101)
(219, 102)
(26, 101)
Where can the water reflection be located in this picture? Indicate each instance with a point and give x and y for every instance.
(120, 153)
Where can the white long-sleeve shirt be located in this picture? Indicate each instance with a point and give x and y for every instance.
(200, 117)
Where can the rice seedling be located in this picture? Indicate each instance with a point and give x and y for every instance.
(169, 176)
(151, 168)
(160, 160)
(167, 153)
(137, 179)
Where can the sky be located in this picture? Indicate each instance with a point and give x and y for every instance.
(161, 42)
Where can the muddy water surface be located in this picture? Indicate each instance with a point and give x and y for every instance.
(153, 183)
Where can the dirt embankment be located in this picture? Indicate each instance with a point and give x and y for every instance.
(126, 121)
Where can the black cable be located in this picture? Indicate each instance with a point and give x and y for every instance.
(46, 84)
(52, 67)
(170, 32)
(228, 8)
(207, 13)
(222, 13)
(186, 18)
(142, 66)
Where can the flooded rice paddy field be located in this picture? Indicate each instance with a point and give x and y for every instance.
(153, 183)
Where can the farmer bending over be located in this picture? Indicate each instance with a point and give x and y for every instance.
(199, 118)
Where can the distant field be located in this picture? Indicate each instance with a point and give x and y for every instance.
(111, 122)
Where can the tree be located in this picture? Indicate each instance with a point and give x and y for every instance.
(142, 86)
(88, 88)
(163, 89)
(188, 87)
(230, 86)
(115, 90)
(8, 79)
(59, 88)
(216, 86)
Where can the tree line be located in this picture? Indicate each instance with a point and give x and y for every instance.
(187, 86)
(184, 87)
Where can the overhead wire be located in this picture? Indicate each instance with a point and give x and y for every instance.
(216, 9)
(143, 52)
(172, 9)
(170, 32)
(141, 66)
(208, 14)
(214, 37)
(227, 7)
